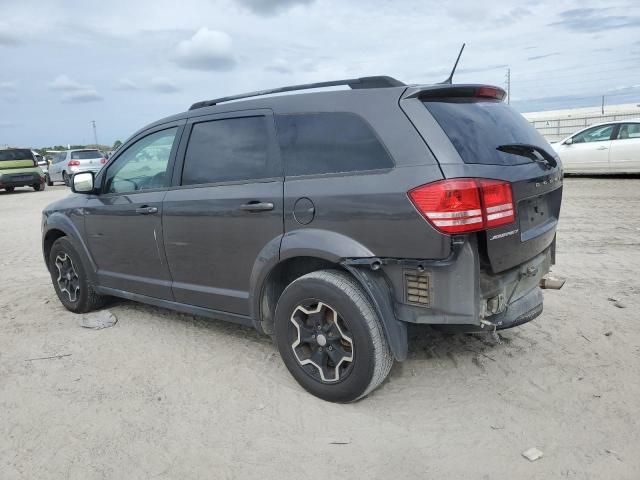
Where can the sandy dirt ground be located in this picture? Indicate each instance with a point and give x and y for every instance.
(166, 395)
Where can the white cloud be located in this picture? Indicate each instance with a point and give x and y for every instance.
(10, 36)
(205, 50)
(63, 83)
(280, 65)
(83, 95)
(164, 85)
(74, 92)
(271, 7)
(7, 86)
(126, 84)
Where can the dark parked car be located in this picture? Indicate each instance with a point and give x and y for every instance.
(329, 220)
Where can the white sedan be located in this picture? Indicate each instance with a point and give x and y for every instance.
(612, 147)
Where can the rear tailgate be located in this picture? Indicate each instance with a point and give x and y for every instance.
(464, 131)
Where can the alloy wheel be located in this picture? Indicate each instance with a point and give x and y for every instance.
(68, 280)
(322, 343)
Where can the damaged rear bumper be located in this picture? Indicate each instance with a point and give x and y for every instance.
(460, 294)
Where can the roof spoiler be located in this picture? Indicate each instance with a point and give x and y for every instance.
(446, 91)
(354, 83)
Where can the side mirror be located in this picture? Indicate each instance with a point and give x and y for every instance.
(568, 141)
(82, 183)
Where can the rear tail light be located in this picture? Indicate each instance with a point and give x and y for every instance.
(74, 163)
(103, 161)
(463, 205)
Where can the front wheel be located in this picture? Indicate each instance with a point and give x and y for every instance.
(330, 337)
(70, 279)
(9, 189)
(38, 187)
(48, 180)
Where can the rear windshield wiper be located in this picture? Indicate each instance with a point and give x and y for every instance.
(535, 153)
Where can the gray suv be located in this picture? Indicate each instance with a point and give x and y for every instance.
(328, 219)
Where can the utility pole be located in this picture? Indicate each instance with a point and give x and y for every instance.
(508, 85)
(602, 109)
(95, 134)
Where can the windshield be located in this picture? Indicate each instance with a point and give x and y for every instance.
(85, 154)
(15, 154)
(477, 128)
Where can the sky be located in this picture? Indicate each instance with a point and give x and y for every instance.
(127, 63)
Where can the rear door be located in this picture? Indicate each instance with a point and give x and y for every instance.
(225, 209)
(468, 134)
(625, 149)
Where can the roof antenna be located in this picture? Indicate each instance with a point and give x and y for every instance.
(449, 80)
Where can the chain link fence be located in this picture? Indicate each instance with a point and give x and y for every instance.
(555, 129)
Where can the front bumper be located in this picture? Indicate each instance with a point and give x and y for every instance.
(20, 179)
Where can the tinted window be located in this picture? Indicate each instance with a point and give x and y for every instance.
(85, 154)
(595, 134)
(15, 154)
(227, 150)
(328, 143)
(143, 165)
(476, 128)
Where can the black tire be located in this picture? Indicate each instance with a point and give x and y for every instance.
(65, 179)
(362, 336)
(38, 187)
(84, 298)
(48, 180)
(9, 189)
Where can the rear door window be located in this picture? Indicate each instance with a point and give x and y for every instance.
(230, 149)
(314, 143)
(477, 127)
(85, 154)
(629, 130)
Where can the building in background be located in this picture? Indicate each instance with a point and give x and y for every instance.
(555, 125)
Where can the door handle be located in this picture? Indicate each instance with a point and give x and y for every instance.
(146, 210)
(257, 206)
(601, 148)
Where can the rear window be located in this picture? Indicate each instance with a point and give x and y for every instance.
(15, 154)
(313, 143)
(477, 128)
(85, 154)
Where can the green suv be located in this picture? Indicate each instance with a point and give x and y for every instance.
(19, 168)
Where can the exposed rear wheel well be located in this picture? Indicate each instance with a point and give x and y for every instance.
(280, 277)
(49, 240)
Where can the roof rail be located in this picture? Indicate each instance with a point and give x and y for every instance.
(354, 83)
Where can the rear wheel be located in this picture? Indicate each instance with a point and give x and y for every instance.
(70, 279)
(38, 187)
(9, 189)
(48, 180)
(330, 337)
(65, 178)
